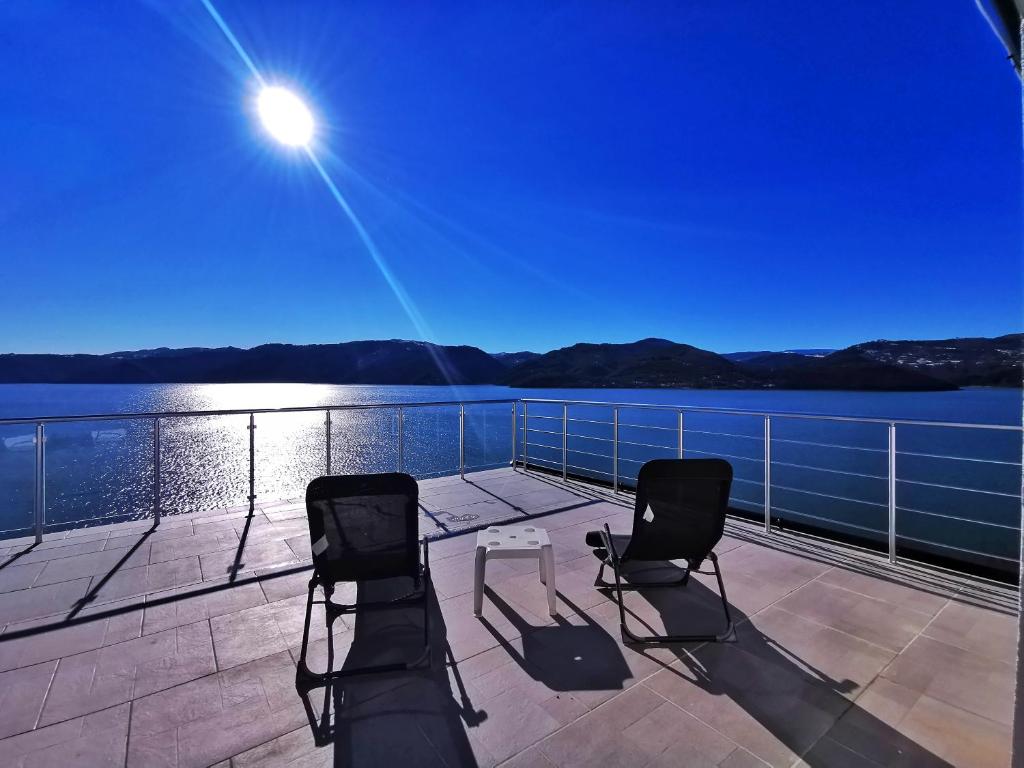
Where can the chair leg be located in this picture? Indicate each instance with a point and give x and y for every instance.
(303, 670)
(726, 635)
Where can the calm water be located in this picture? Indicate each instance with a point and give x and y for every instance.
(825, 472)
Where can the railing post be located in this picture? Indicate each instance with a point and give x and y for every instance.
(252, 463)
(892, 492)
(526, 435)
(565, 441)
(327, 434)
(680, 434)
(462, 440)
(39, 512)
(615, 450)
(156, 471)
(515, 431)
(401, 438)
(767, 474)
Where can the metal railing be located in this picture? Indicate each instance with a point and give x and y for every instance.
(579, 450)
(40, 424)
(609, 441)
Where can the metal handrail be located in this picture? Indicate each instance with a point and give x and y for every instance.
(777, 414)
(566, 448)
(247, 411)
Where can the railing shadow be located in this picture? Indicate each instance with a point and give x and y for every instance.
(792, 700)
(390, 718)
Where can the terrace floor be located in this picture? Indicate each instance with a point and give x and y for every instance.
(129, 645)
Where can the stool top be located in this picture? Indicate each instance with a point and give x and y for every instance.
(508, 537)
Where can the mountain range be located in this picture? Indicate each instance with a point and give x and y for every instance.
(876, 365)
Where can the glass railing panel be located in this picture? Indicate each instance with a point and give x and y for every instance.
(17, 480)
(204, 463)
(430, 445)
(98, 472)
(364, 440)
(290, 450)
(488, 436)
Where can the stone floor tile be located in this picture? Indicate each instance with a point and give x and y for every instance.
(176, 607)
(98, 740)
(61, 639)
(22, 692)
(217, 565)
(965, 680)
(897, 726)
(775, 710)
(885, 587)
(98, 679)
(18, 576)
(92, 564)
(128, 582)
(867, 618)
(843, 661)
(42, 601)
(183, 546)
(979, 630)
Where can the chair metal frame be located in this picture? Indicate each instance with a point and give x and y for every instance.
(613, 559)
(420, 594)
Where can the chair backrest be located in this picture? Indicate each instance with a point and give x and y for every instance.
(363, 526)
(680, 509)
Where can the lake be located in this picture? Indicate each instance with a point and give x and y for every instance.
(833, 474)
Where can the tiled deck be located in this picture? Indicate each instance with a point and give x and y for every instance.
(182, 652)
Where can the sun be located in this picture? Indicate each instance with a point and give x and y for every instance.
(285, 116)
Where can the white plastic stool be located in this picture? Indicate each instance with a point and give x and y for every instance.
(507, 541)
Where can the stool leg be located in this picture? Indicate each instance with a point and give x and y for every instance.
(542, 567)
(547, 559)
(478, 580)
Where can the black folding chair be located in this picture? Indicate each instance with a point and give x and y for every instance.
(364, 528)
(679, 515)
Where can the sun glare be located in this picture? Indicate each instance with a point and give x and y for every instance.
(285, 116)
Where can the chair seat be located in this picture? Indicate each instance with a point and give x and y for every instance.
(619, 541)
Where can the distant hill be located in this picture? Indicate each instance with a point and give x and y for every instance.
(876, 365)
(646, 363)
(356, 362)
(740, 357)
(963, 362)
(661, 363)
(512, 359)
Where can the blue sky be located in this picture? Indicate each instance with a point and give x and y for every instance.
(742, 175)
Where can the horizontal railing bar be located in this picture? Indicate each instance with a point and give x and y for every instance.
(958, 458)
(833, 471)
(649, 445)
(588, 453)
(829, 445)
(245, 411)
(649, 426)
(958, 488)
(546, 418)
(543, 431)
(829, 496)
(960, 519)
(558, 465)
(744, 480)
(779, 414)
(832, 521)
(592, 421)
(591, 437)
(758, 460)
(759, 438)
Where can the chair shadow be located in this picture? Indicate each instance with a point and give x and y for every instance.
(394, 717)
(762, 676)
(564, 656)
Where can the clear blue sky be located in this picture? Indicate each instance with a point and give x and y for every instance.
(743, 175)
